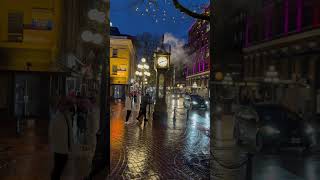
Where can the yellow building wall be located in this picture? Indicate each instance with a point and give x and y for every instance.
(39, 47)
(120, 68)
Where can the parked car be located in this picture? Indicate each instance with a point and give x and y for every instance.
(272, 126)
(195, 102)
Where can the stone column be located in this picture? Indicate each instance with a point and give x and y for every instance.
(263, 65)
(258, 66)
(246, 67)
(284, 69)
(297, 68)
(251, 65)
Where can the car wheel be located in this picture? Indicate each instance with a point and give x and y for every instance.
(259, 143)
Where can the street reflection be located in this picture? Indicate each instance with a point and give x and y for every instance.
(117, 126)
(160, 149)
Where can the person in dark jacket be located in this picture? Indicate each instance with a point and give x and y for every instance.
(143, 107)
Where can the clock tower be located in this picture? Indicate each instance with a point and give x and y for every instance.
(162, 66)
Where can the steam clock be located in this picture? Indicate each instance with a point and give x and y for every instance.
(162, 66)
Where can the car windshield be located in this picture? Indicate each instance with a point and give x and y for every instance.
(196, 98)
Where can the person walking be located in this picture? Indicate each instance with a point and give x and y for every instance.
(60, 134)
(143, 108)
(128, 106)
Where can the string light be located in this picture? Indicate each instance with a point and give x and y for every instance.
(164, 10)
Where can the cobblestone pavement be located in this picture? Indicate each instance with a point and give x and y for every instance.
(161, 149)
(167, 149)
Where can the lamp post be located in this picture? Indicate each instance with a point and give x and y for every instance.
(272, 77)
(143, 72)
(101, 159)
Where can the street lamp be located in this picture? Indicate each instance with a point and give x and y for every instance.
(194, 85)
(142, 72)
(272, 77)
(228, 80)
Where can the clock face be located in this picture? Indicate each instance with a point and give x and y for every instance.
(162, 61)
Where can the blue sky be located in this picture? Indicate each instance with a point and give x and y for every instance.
(133, 16)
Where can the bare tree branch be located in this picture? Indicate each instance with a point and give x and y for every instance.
(185, 10)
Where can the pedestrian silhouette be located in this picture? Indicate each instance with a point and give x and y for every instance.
(143, 107)
(128, 106)
(60, 133)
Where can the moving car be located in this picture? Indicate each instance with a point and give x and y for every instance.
(195, 102)
(272, 126)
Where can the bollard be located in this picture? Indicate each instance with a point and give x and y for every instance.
(249, 166)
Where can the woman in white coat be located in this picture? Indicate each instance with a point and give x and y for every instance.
(60, 134)
(128, 107)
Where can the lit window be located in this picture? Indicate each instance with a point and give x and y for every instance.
(208, 28)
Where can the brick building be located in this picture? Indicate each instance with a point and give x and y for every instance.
(285, 34)
(197, 70)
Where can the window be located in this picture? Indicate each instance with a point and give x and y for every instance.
(279, 19)
(207, 54)
(114, 52)
(292, 15)
(307, 17)
(15, 27)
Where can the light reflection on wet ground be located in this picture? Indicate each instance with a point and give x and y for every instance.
(176, 149)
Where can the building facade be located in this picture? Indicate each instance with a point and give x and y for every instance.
(40, 48)
(285, 34)
(29, 51)
(122, 64)
(197, 69)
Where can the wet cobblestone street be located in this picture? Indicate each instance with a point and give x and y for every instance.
(160, 149)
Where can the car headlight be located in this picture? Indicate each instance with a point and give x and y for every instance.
(194, 102)
(207, 102)
(271, 130)
(309, 129)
